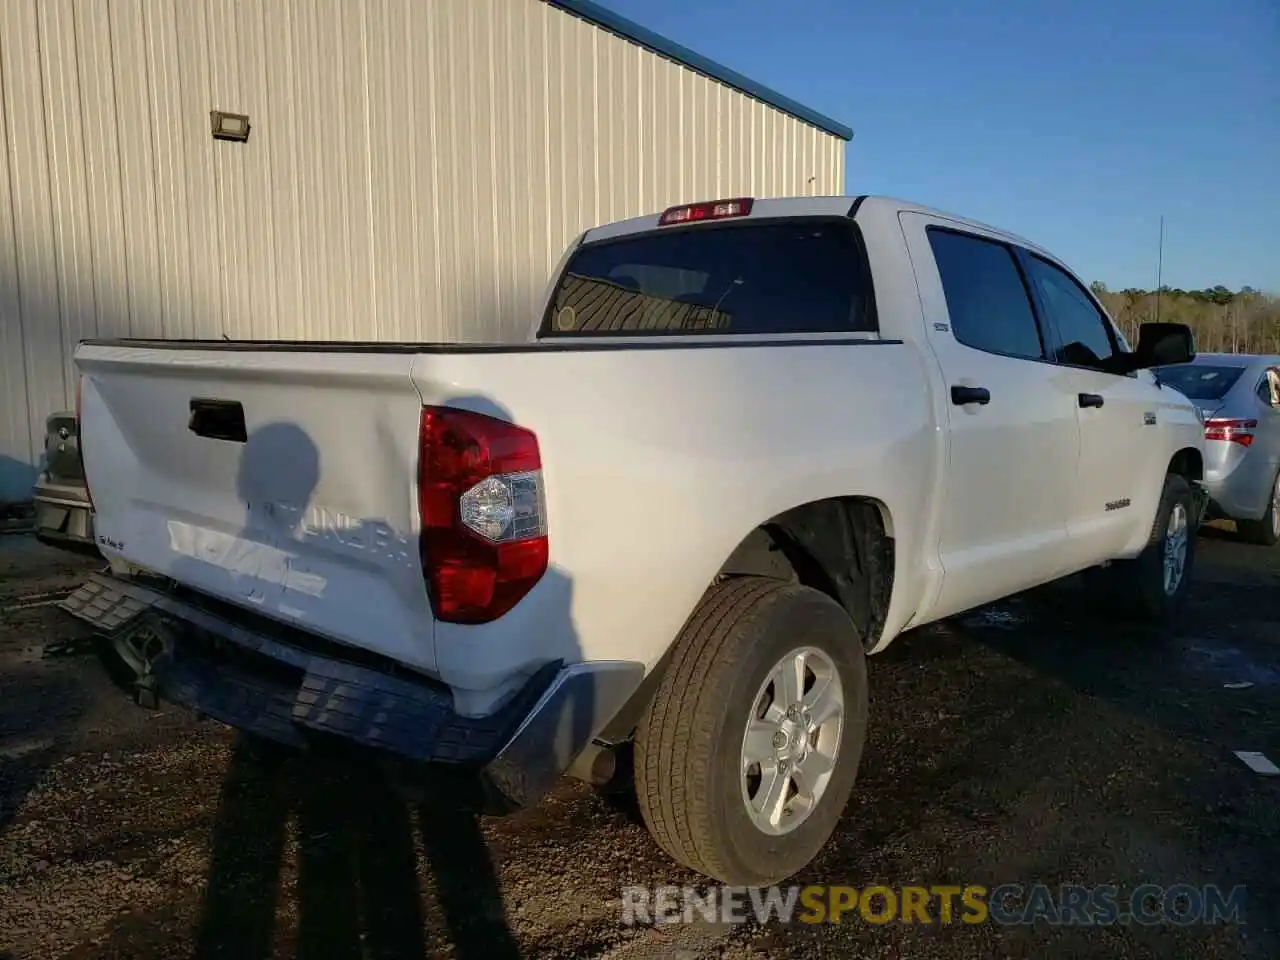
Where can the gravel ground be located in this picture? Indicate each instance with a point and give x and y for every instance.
(1029, 742)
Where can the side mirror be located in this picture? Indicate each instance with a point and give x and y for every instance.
(1160, 344)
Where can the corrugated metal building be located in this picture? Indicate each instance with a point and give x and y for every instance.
(412, 172)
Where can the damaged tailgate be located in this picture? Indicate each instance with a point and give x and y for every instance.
(277, 479)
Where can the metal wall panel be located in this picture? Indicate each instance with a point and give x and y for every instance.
(414, 170)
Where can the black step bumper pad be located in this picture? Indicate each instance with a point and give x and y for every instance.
(355, 703)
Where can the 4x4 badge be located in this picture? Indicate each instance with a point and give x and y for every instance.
(1148, 419)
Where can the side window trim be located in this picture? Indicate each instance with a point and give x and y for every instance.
(1049, 331)
(1041, 329)
(1024, 257)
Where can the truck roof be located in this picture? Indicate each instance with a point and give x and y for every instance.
(838, 206)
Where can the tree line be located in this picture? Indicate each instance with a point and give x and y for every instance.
(1224, 321)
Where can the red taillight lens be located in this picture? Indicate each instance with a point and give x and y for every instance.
(483, 513)
(714, 210)
(1232, 431)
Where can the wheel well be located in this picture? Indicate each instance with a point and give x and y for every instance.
(1188, 463)
(842, 547)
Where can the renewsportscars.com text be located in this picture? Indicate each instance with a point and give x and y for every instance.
(1007, 904)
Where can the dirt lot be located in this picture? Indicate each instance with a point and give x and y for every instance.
(1031, 742)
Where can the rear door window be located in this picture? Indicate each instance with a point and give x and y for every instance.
(793, 276)
(987, 301)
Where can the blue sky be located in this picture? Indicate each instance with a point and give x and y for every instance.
(1074, 124)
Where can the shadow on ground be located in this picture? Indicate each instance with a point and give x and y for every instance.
(358, 892)
(38, 712)
(1175, 677)
(41, 698)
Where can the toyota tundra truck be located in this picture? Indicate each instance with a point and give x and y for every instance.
(748, 444)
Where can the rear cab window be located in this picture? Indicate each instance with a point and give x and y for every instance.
(760, 277)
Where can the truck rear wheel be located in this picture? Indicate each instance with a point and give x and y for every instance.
(745, 759)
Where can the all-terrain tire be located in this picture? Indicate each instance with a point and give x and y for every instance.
(688, 746)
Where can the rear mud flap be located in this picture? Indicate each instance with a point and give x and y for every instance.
(1200, 495)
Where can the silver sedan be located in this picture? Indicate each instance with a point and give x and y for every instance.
(1239, 398)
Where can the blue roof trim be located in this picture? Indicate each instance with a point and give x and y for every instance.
(620, 25)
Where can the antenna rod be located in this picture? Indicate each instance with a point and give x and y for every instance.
(1160, 269)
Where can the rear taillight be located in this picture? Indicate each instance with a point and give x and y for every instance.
(1233, 431)
(713, 210)
(483, 513)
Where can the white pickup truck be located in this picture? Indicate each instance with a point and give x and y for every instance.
(750, 443)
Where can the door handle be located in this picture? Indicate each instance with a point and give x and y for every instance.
(1091, 400)
(963, 395)
(217, 419)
